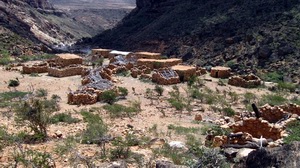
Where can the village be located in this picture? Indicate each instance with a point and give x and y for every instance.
(261, 125)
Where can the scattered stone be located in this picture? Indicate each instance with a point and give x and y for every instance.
(198, 117)
(243, 153)
(177, 144)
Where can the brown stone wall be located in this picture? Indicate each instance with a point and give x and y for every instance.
(64, 72)
(40, 68)
(64, 62)
(246, 81)
(291, 108)
(101, 52)
(258, 128)
(158, 63)
(82, 98)
(272, 114)
(186, 72)
(158, 78)
(147, 55)
(220, 72)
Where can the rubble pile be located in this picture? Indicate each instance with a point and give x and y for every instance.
(35, 68)
(246, 81)
(165, 76)
(200, 71)
(185, 72)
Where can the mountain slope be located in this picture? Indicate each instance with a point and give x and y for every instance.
(245, 34)
(39, 22)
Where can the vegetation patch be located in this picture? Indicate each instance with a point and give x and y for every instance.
(118, 110)
(65, 118)
(294, 132)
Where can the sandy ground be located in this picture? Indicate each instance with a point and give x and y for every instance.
(141, 123)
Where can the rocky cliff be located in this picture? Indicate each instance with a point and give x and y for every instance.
(38, 22)
(246, 35)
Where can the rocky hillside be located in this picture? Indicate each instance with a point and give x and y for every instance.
(245, 35)
(38, 22)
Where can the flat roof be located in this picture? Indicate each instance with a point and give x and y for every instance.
(100, 49)
(221, 68)
(147, 53)
(159, 60)
(120, 52)
(183, 67)
(68, 56)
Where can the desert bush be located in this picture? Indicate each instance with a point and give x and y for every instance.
(159, 90)
(36, 114)
(14, 82)
(5, 60)
(293, 129)
(118, 110)
(286, 86)
(30, 158)
(228, 111)
(95, 129)
(109, 96)
(184, 130)
(123, 91)
(26, 58)
(273, 99)
(214, 130)
(120, 149)
(41, 93)
(192, 80)
(272, 77)
(211, 158)
(98, 62)
(62, 117)
(249, 97)
(5, 138)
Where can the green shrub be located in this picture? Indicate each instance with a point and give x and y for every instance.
(183, 130)
(287, 86)
(249, 98)
(35, 113)
(123, 91)
(228, 111)
(273, 99)
(272, 77)
(5, 60)
(109, 96)
(120, 149)
(62, 117)
(177, 104)
(159, 90)
(294, 132)
(5, 138)
(192, 80)
(95, 129)
(41, 93)
(214, 130)
(32, 158)
(14, 82)
(118, 110)
(8, 96)
(211, 158)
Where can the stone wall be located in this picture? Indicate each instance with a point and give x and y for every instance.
(220, 72)
(66, 71)
(65, 60)
(101, 52)
(82, 98)
(147, 55)
(161, 77)
(257, 128)
(184, 72)
(274, 114)
(246, 81)
(36, 68)
(158, 63)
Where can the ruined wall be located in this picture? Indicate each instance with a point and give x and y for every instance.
(257, 128)
(161, 77)
(101, 52)
(82, 98)
(184, 72)
(246, 81)
(220, 72)
(64, 72)
(37, 68)
(291, 108)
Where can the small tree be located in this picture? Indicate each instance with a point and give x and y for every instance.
(159, 90)
(36, 113)
(109, 96)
